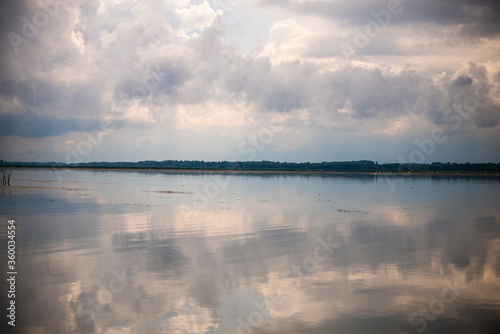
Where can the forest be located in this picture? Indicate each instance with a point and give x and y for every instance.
(334, 166)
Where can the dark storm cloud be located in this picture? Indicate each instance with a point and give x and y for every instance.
(42, 94)
(480, 18)
(10, 14)
(462, 81)
(469, 96)
(43, 109)
(33, 126)
(488, 117)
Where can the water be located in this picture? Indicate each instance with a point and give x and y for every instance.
(166, 252)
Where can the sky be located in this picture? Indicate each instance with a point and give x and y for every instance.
(239, 80)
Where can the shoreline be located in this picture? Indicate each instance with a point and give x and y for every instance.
(270, 172)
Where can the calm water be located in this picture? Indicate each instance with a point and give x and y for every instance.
(147, 252)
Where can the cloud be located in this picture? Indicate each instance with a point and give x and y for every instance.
(195, 18)
(475, 18)
(169, 67)
(33, 126)
(462, 81)
(371, 93)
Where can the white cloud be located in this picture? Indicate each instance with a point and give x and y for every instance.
(286, 42)
(196, 18)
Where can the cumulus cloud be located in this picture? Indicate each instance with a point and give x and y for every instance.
(196, 17)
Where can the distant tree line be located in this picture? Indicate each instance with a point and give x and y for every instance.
(335, 166)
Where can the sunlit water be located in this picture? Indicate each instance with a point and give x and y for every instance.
(166, 252)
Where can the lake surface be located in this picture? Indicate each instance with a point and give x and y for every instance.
(171, 252)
